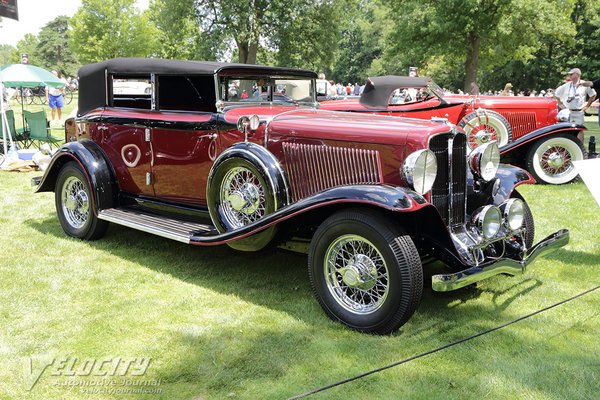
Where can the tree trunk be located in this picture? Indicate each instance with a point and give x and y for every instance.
(472, 62)
(247, 52)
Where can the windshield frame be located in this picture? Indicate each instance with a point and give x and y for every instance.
(223, 83)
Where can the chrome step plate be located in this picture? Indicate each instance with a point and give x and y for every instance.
(159, 225)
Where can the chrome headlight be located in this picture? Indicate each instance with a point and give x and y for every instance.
(484, 161)
(419, 170)
(487, 220)
(513, 212)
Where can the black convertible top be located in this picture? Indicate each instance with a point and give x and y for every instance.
(93, 85)
(378, 89)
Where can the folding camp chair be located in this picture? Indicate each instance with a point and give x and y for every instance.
(38, 129)
(17, 135)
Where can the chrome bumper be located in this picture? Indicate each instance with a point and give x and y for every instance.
(448, 282)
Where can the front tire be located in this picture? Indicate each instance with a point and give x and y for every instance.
(74, 204)
(364, 272)
(550, 160)
(483, 126)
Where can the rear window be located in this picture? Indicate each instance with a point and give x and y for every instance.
(132, 91)
(186, 93)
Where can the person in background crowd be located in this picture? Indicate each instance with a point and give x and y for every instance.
(595, 84)
(356, 90)
(55, 98)
(332, 89)
(571, 95)
(506, 90)
(348, 89)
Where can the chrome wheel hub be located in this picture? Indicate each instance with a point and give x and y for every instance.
(75, 202)
(242, 197)
(555, 160)
(356, 274)
(482, 137)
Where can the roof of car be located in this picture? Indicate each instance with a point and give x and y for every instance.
(378, 89)
(161, 66)
(93, 90)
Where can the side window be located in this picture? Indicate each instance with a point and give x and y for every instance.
(132, 91)
(186, 93)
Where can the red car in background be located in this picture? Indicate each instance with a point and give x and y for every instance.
(525, 128)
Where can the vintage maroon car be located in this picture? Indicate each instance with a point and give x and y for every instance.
(366, 196)
(525, 128)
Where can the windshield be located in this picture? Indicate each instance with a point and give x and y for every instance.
(261, 89)
(408, 95)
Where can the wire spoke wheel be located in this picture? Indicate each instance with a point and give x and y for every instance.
(75, 202)
(484, 126)
(364, 272)
(356, 274)
(551, 160)
(242, 197)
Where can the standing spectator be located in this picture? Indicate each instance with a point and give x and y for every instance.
(348, 89)
(55, 98)
(356, 90)
(571, 96)
(506, 90)
(332, 89)
(595, 84)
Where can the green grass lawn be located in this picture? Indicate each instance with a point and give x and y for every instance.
(219, 324)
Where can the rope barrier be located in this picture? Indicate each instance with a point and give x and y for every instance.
(441, 347)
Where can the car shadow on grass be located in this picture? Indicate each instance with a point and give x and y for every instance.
(274, 278)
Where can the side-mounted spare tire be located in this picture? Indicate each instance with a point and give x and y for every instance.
(483, 126)
(245, 184)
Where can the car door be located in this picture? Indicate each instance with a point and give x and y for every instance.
(184, 136)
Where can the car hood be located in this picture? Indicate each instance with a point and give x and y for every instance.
(499, 102)
(351, 127)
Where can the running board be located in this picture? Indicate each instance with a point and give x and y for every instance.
(170, 228)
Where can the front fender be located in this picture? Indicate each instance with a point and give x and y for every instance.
(387, 197)
(95, 165)
(499, 189)
(526, 140)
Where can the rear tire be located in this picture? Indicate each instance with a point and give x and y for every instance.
(75, 204)
(364, 272)
(550, 160)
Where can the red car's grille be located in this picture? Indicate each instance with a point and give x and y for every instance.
(521, 122)
(448, 193)
(313, 168)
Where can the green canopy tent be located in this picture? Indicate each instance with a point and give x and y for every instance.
(22, 75)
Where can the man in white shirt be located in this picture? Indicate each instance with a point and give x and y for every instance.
(573, 97)
(55, 97)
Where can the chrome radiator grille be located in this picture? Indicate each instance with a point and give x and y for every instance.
(313, 168)
(448, 194)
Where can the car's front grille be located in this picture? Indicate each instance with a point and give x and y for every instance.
(521, 122)
(449, 188)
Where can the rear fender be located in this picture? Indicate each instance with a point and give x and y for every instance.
(95, 165)
(525, 141)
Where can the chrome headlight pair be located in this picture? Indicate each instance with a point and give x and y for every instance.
(419, 170)
(489, 219)
(484, 161)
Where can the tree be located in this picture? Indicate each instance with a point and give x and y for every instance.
(53, 47)
(105, 29)
(181, 34)
(475, 33)
(6, 52)
(27, 45)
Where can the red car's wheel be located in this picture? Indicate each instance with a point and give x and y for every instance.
(483, 126)
(550, 160)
